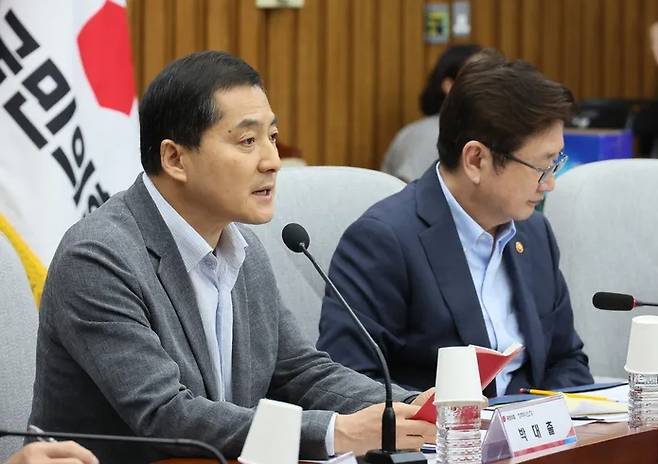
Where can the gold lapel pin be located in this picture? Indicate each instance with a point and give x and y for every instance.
(519, 247)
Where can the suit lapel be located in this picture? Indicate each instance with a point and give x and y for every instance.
(179, 289)
(241, 360)
(174, 279)
(518, 266)
(446, 258)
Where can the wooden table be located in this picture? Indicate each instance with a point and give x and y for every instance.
(604, 443)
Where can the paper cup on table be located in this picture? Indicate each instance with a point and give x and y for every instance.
(457, 376)
(273, 435)
(642, 357)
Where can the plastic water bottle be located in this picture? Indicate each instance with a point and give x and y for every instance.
(458, 434)
(642, 399)
(642, 368)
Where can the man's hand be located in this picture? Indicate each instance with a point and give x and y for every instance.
(361, 431)
(64, 452)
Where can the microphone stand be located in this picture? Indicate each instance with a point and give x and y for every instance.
(643, 303)
(388, 453)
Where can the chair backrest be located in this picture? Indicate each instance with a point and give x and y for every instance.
(606, 224)
(325, 200)
(18, 333)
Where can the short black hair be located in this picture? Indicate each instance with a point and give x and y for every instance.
(448, 65)
(500, 104)
(179, 103)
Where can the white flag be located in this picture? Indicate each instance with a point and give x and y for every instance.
(69, 131)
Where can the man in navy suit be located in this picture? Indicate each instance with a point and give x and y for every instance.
(460, 256)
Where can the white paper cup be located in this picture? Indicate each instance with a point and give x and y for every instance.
(274, 434)
(457, 376)
(642, 357)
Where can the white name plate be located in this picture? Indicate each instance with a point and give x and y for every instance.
(523, 428)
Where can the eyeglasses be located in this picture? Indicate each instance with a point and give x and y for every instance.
(552, 170)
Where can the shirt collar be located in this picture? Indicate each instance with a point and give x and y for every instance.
(231, 248)
(468, 229)
(192, 247)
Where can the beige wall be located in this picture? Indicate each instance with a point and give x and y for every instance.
(344, 75)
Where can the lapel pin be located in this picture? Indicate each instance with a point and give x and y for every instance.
(519, 247)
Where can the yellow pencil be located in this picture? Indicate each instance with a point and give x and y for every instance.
(582, 396)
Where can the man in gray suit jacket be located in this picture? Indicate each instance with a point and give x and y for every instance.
(161, 316)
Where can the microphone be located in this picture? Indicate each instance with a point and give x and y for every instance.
(297, 240)
(617, 301)
(176, 442)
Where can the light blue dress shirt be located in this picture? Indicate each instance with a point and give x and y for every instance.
(484, 255)
(213, 274)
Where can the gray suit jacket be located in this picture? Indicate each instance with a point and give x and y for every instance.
(121, 349)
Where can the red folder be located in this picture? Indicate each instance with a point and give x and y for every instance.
(490, 363)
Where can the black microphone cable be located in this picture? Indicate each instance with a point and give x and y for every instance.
(122, 439)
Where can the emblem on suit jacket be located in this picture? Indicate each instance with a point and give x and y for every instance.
(519, 247)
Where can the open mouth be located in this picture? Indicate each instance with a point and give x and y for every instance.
(264, 192)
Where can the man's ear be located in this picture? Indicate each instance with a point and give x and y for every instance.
(446, 85)
(473, 160)
(172, 159)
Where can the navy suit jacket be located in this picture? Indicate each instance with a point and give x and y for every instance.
(402, 268)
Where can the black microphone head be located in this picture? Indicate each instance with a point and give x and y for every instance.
(295, 237)
(613, 301)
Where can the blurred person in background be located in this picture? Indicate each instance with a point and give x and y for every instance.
(645, 125)
(414, 147)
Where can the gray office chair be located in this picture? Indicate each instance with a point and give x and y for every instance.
(18, 332)
(325, 200)
(605, 219)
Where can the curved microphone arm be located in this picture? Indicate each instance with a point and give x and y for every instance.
(388, 416)
(375, 346)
